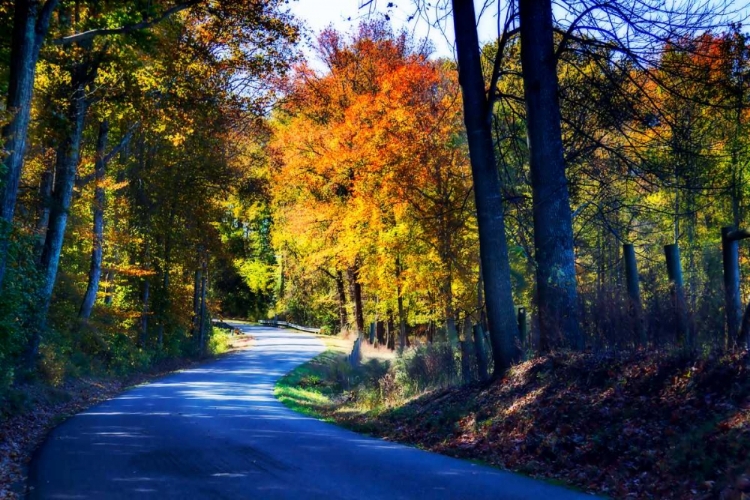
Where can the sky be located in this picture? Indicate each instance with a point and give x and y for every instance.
(345, 15)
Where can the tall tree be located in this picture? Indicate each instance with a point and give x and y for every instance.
(557, 294)
(493, 244)
(30, 26)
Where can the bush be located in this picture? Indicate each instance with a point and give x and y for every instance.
(381, 384)
(428, 366)
(219, 341)
(17, 305)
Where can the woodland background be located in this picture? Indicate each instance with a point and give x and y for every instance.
(182, 162)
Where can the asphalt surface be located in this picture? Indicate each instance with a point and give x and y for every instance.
(217, 432)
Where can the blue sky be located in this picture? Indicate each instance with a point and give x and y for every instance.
(346, 14)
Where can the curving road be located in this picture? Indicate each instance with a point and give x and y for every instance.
(217, 432)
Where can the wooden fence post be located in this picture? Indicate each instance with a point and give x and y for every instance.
(481, 352)
(522, 326)
(738, 327)
(465, 346)
(634, 291)
(732, 303)
(674, 272)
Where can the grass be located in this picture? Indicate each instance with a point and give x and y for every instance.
(303, 389)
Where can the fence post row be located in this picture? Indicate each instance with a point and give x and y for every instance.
(632, 283)
(730, 237)
(674, 272)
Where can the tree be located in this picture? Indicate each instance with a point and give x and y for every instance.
(487, 190)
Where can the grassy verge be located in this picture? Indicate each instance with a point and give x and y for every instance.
(303, 390)
(641, 425)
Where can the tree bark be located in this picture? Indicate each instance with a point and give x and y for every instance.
(557, 292)
(30, 25)
(109, 279)
(68, 156)
(202, 315)
(493, 246)
(343, 320)
(400, 303)
(743, 339)
(356, 292)
(197, 301)
(143, 340)
(95, 269)
(45, 197)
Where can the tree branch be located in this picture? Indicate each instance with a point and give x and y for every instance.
(128, 28)
(83, 181)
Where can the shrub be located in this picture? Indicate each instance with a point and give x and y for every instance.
(426, 367)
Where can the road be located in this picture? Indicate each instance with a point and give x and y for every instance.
(217, 432)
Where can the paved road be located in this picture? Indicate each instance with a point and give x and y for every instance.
(217, 432)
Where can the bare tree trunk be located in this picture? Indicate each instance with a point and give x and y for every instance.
(391, 342)
(144, 314)
(197, 301)
(355, 289)
(493, 246)
(450, 316)
(30, 26)
(108, 279)
(45, 198)
(202, 315)
(401, 312)
(343, 320)
(68, 156)
(557, 292)
(95, 269)
(743, 339)
(480, 299)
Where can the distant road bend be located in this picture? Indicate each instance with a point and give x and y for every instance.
(217, 432)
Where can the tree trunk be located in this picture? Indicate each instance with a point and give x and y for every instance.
(743, 339)
(45, 198)
(466, 375)
(109, 278)
(450, 316)
(202, 315)
(401, 312)
(557, 293)
(95, 269)
(355, 289)
(343, 320)
(493, 245)
(144, 314)
(30, 26)
(197, 301)
(391, 343)
(163, 302)
(68, 155)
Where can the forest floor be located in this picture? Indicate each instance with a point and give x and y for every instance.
(29, 411)
(641, 425)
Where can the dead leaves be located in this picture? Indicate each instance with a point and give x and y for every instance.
(633, 426)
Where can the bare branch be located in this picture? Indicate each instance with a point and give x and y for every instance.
(129, 28)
